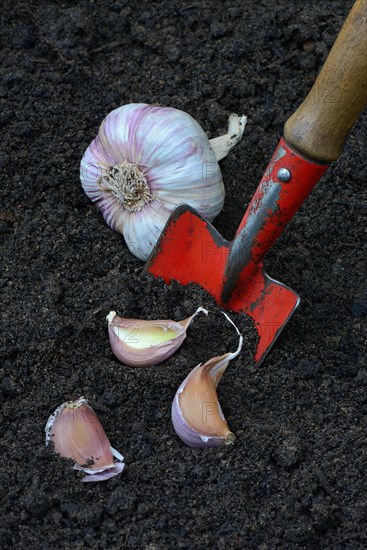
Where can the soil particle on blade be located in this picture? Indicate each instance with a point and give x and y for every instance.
(295, 477)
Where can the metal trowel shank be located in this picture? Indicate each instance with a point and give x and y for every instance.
(190, 250)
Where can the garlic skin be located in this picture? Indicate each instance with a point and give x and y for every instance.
(76, 432)
(222, 145)
(145, 161)
(141, 343)
(197, 416)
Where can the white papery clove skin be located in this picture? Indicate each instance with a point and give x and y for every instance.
(142, 343)
(197, 416)
(222, 145)
(76, 432)
(145, 161)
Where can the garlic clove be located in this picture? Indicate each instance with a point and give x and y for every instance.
(197, 416)
(141, 343)
(145, 161)
(222, 145)
(76, 432)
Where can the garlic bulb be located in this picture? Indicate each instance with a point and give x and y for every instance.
(197, 416)
(145, 161)
(140, 343)
(76, 432)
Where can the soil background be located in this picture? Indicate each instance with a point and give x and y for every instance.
(295, 478)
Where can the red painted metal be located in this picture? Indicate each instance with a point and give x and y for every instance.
(190, 250)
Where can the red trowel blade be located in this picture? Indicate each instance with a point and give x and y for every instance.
(190, 250)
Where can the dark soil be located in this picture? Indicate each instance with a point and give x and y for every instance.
(295, 477)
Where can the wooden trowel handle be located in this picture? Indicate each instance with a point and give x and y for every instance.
(320, 126)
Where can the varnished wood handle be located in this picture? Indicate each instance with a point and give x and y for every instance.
(320, 126)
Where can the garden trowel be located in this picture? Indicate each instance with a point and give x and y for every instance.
(190, 250)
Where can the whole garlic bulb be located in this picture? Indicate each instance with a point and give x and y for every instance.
(145, 161)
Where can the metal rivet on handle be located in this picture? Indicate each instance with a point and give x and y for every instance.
(284, 175)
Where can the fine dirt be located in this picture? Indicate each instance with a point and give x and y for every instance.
(295, 478)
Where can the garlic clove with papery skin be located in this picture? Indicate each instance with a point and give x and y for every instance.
(145, 161)
(76, 432)
(142, 343)
(197, 416)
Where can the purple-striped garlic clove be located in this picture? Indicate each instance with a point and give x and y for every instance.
(76, 432)
(141, 343)
(197, 416)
